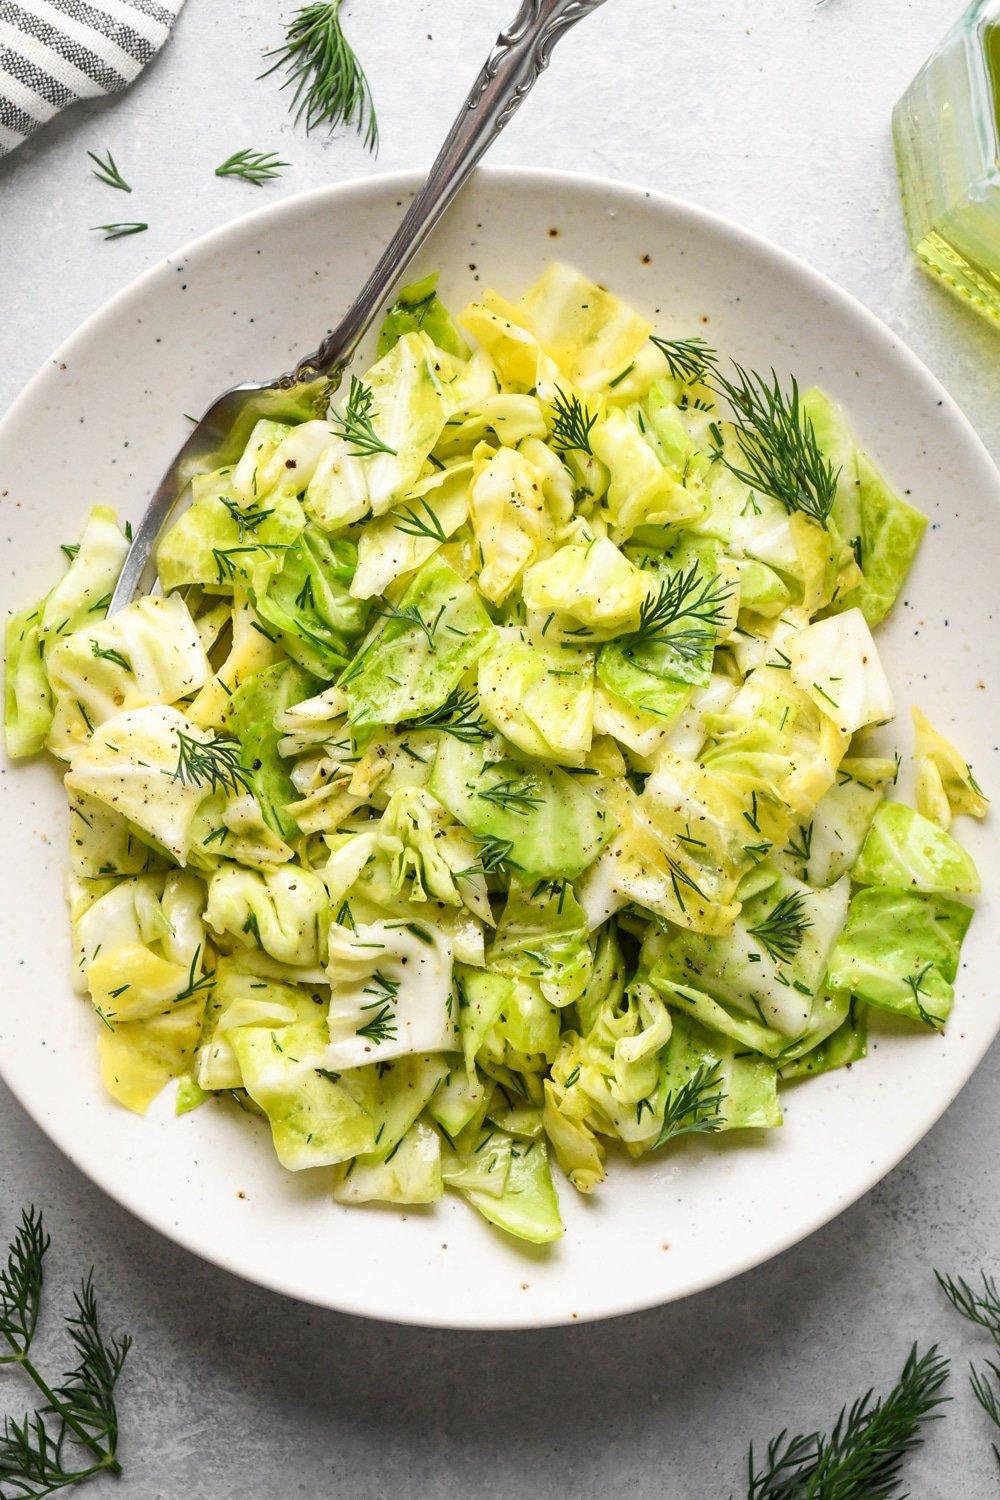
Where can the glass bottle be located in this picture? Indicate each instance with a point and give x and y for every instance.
(946, 130)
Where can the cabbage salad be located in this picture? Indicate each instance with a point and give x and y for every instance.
(489, 782)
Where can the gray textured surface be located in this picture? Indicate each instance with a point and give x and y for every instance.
(779, 117)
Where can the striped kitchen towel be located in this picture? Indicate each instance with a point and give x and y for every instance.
(55, 51)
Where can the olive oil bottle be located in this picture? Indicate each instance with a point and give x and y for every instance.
(946, 130)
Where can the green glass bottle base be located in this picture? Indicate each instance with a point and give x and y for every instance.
(981, 288)
(946, 131)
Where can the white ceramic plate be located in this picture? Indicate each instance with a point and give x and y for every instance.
(99, 423)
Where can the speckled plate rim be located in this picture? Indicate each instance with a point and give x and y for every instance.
(616, 1297)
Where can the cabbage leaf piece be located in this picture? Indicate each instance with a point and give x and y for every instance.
(418, 651)
(309, 603)
(528, 1207)
(83, 593)
(432, 855)
(510, 516)
(314, 1120)
(542, 935)
(770, 967)
(773, 734)
(847, 1044)
(402, 540)
(284, 910)
(899, 950)
(837, 663)
(219, 543)
(411, 1175)
(536, 819)
(589, 332)
(149, 652)
(27, 694)
(390, 992)
(594, 583)
(253, 709)
(945, 783)
(419, 309)
(139, 1058)
(746, 1085)
(135, 764)
(252, 649)
(884, 530)
(540, 696)
(643, 491)
(908, 852)
(692, 605)
(402, 402)
(612, 1077)
(395, 1094)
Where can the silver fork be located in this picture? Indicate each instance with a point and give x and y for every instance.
(520, 54)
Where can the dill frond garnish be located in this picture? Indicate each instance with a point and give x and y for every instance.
(329, 83)
(414, 524)
(120, 231)
(778, 443)
(695, 1108)
(863, 1453)
(513, 795)
(215, 764)
(356, 422)
(689, 360)
(571, 424)
(685, 613)
(458, 715)
(108, 173)
(781, 932)
(74, 1433)
(257, 167)
(106, 653)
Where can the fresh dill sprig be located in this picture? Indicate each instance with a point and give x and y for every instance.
(330, 86)
(681, 881)
(861, 1458)
(513, 795)
(247, 521)
(781, 932)
(106, 653)
(410, 615)
(356, 422)
(74, 1434)
(119, 231)
(415, 525)
(778, 443)
(382, 1027)
(195, 986)
(981, 1307)
(688, 360)
(257, 167)
(108, 173)
(383, 988)
(695, 1108)
(803, 849)
(685, 613)
(226, 563)
(215, 764)
(458, 716)
(914, 983)
(571, 424)
(494, 853)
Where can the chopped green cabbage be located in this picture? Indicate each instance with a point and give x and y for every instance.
(482, 789)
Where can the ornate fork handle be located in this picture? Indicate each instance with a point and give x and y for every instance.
(519, 56)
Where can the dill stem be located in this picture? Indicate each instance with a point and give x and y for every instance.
(106, 1456)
